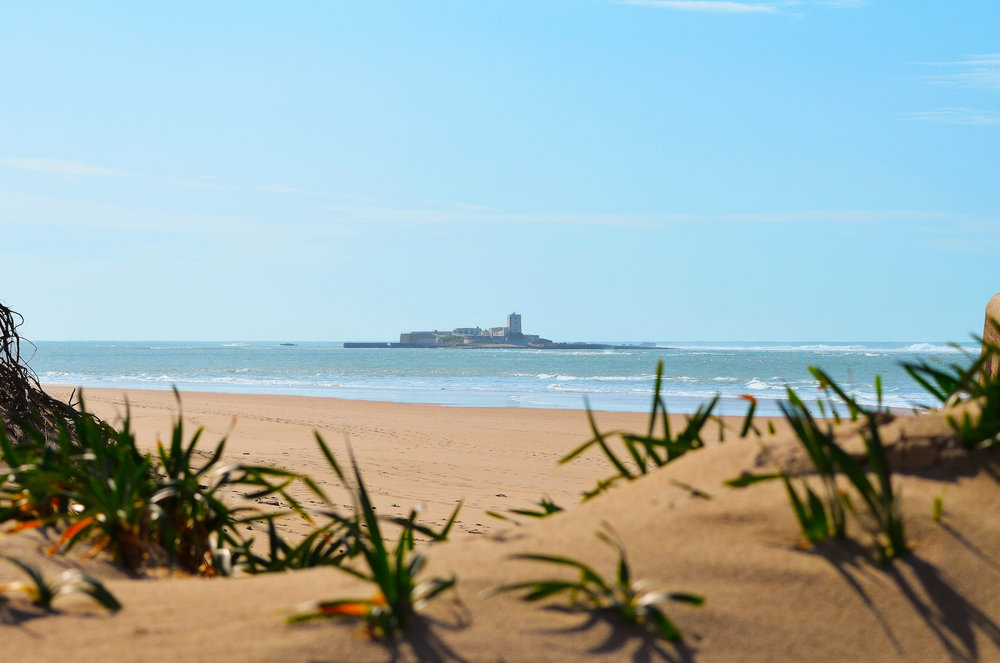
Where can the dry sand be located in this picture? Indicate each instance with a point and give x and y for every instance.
(767, 600)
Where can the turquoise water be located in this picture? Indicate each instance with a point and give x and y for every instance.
(608, 379)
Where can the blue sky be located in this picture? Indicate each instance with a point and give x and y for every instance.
(614, 170)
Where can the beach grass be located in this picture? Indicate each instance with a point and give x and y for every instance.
(631, 600)
(956, 384)
(43, 591)
(646, 452)
(393, 570)
(823, 515)
(94, 485)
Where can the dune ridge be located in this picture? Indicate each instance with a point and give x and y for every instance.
(767, 599)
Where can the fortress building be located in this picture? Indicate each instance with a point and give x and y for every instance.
(511, 336)
(475, 336)
(513, 324)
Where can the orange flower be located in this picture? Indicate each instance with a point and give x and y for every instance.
(70, 532)
(356, 609)
(28, 524)
(748, 397)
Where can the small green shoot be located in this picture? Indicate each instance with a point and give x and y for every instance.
(393, 571)
(822, 517)
(323, 546)
(630, 600)
(938, 509)
(43, 592)
(958, 384)
(649, 451)
(437, 536)
(546, 507)
(692, 490)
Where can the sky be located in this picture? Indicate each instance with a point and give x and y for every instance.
(613, 170)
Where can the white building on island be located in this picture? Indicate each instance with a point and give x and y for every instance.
(512, 334)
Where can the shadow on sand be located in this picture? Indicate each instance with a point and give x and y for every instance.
(953, 620)
(645, 645)
(421, 640)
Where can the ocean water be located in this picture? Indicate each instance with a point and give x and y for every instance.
(620, 380)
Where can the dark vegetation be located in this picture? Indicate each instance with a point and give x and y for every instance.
(22, 401)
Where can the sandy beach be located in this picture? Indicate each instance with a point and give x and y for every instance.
(767, 599)
(413, 276)
(492, 458)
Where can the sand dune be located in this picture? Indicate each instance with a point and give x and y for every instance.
(767, 599)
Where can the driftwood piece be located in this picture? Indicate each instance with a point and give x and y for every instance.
(991, 333)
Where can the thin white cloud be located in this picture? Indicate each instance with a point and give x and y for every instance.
(708, 6)
(452, 213)
(279, 188)
(847, 216)
(844, 4)
(63, 167)
(72, 168)
(975, 71)
(968, 116)
(458, 213)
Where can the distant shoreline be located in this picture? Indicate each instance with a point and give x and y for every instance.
(368, 345)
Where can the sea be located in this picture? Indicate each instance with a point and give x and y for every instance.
(615, 380)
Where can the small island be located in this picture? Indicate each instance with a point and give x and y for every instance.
(509, 336)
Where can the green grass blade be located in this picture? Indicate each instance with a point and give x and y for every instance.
(331, 461)
(745, 480)
(539, 589)
(748, 419)
(684, 597)
(662, 624)
(657, 401)
(93, 588)
(601, 442)
(585, 571)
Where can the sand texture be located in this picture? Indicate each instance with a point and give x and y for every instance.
(767, 598)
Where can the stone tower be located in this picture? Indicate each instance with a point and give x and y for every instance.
(513, 323)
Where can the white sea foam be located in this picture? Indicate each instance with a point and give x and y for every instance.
(761, 385)
(821, 348)
(807, 347)
(610, 380)
(926, 348)
(591, 378)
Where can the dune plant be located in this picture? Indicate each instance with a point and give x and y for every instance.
(110, 486)
(937, 509)
(818, 517)
(327, 545)
(651, 450)
(393, 570)
(415, 527)
(879, 496)
(29, 474)
(546, 507)
(197, 526)
(955, 384)
(822, 515)
(93, 483)
(630, 599)
(43, 592)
